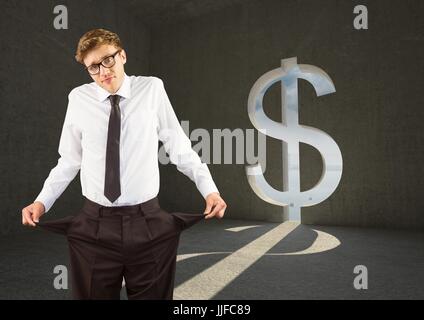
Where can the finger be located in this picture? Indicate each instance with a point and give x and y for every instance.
(212, 212)
(221, 213)
(220, 210)
(216, 209)
(208, 207)
(207, 215)
(24, 218)
(36, 216)
(29, 218)
(25, 222)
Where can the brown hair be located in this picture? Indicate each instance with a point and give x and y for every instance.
(95, 38)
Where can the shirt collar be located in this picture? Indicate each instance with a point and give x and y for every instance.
(124, 90)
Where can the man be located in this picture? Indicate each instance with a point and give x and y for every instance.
(111, 132)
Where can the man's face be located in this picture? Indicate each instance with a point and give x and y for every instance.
(111, 78)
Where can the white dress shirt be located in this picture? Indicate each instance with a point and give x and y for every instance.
(147, 116)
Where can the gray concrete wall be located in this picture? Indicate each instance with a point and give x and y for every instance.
(210, 63)
(37, 71)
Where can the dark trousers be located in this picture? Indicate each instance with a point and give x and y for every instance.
(138, 243)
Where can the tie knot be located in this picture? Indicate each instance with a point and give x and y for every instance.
(114, 99)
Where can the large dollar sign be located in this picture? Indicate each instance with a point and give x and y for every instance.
(290, 132)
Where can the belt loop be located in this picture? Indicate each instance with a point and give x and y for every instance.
(100, 211)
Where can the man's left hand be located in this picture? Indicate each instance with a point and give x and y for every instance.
(215, 206)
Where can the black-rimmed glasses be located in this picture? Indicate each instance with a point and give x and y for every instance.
(107, 62)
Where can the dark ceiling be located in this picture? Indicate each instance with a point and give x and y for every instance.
(158, 12)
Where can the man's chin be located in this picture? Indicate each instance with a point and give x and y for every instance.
(108, 88)
(111, 86)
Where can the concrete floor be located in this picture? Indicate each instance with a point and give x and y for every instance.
(238, 259)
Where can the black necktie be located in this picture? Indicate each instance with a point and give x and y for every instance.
(112, 179)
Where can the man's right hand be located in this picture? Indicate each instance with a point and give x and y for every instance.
(32, 213)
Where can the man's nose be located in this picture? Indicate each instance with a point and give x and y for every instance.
(103, 70)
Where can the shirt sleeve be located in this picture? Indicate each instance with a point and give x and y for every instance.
(69, 163)
(178, 145)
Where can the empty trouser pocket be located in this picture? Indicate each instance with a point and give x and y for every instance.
(186, 220)
(58, 225)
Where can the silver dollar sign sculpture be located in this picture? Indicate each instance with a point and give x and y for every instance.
(290, 132)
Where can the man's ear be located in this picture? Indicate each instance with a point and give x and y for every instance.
(123, 56)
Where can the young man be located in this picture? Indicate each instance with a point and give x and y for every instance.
(111, 132)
